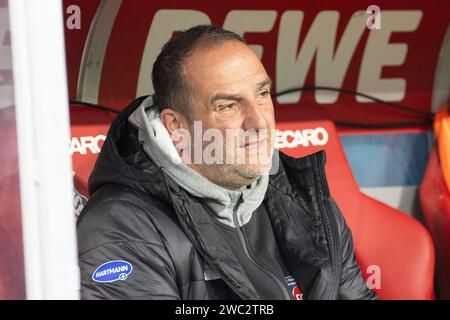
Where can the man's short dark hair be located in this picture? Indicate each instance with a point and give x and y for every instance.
(172, 87)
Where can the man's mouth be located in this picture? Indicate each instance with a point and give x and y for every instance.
(254, 144)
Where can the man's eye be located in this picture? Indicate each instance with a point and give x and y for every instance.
(227, 107)
(264, 94)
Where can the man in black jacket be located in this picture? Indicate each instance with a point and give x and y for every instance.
(223, 216)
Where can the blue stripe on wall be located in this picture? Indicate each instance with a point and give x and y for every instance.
(380, 160)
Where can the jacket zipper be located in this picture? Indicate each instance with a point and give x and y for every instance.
(260, 266)
(338, 265)
(203, 253)
(333, 238)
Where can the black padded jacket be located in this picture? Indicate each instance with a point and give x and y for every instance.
(141, 236)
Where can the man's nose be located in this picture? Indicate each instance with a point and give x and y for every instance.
(254, 117)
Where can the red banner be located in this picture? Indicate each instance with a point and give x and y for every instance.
(390, 54)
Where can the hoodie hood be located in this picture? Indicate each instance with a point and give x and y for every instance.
(122, 160)
(139, 153)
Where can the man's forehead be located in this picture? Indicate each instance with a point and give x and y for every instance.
(231, 63)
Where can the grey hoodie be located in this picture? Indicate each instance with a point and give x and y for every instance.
(158, 145)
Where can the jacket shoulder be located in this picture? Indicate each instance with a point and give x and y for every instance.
(114, 228)
(121, 223)
(118, 213)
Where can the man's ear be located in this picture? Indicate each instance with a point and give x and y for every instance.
(171, 119)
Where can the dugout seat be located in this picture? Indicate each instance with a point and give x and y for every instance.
(89, 128)
(387, 241)
(435, 202)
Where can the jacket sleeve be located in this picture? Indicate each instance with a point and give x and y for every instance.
(110, 237)
(352, 286)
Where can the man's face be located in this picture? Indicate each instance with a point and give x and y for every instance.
(231, 93)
